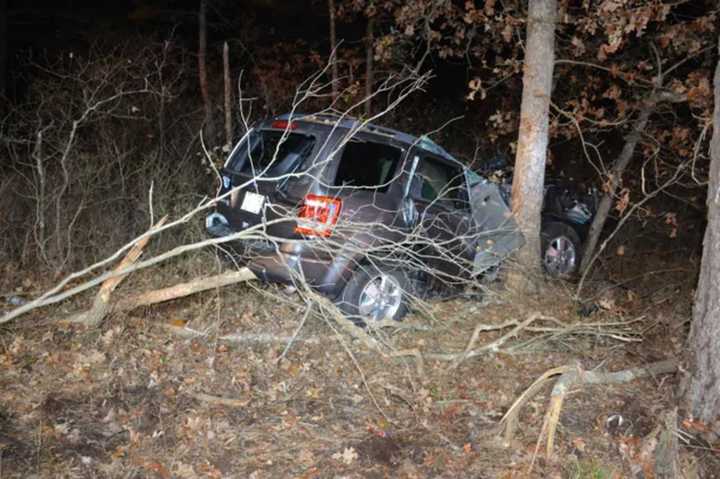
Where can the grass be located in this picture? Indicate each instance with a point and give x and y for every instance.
(591, 469)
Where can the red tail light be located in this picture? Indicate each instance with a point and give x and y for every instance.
(318, 215)
(283, 125)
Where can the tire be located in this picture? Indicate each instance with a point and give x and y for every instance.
(375, 294)
(561, 253)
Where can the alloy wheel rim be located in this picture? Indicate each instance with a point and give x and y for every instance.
(560, 256)
(381, 298)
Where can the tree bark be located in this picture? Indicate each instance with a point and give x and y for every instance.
(202, 68)
(333, 44)
(529, 174)
(703, 391)
(614, 180)
(228, 97)
(369, 67)
(183, 289)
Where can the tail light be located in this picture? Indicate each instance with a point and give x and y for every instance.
(283, 125)
(318, 215)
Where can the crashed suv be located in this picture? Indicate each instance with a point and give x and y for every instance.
(368, 216)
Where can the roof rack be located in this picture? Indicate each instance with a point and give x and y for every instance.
(380, 130)
(326, 118)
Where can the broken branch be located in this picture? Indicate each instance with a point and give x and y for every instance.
(101, 304)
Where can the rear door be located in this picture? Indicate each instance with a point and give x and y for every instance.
(365, 178)
(439, 191)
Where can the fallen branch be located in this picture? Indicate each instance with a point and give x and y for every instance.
(415, 352)
(219, 400)
(574, 376)
(510, 419)
(190, 333)
(184, 289)
(161, 295)
(613, 330)
(494, 345)
(101, 304)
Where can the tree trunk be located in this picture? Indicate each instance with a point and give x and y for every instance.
(529, 175)
(3, 47)
(703, 392)
(228, 97)
(369, 56)
(202, 68)
(333, 44)
(614, 180)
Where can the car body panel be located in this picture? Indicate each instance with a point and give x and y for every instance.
(369, 219)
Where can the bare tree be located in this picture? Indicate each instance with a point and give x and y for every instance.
(333, 45)
(3, 46)
(202, 67)
(703, 391)
(658, 95)
(369, 57)
(528, 183)
(228, 97)
(74, 153)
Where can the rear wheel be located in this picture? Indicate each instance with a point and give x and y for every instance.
(375, 294)
(560, 250)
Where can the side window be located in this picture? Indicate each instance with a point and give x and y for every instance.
(367, 165)
(441, 183)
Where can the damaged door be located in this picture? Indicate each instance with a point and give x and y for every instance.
(439, 194)
(497, 232)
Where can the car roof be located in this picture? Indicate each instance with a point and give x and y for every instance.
(350, 123)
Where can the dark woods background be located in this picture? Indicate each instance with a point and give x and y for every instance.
(102, 108)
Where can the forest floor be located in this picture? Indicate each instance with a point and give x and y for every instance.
(134, 399)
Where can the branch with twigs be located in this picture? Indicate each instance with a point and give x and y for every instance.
(567, 377)
(553, 329)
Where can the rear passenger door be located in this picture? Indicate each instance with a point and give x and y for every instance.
(439, 190)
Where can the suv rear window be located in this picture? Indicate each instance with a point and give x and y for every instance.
(367, 165)
(257, 154)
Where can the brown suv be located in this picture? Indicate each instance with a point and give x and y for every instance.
(366, 215)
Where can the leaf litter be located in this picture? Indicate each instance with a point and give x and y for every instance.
(132, 399)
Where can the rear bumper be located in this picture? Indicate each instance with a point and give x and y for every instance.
(288, 263)
(295, 270)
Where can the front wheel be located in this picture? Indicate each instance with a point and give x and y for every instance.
(560, 250)
(375, 294)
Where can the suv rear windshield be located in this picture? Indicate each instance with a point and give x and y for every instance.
(367, 165)
(257, 154)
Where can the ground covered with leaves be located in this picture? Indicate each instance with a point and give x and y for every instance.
(209, 386)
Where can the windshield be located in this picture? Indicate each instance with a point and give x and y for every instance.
(271, 153)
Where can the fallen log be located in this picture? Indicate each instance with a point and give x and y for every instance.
(183, 289)
(160, 295)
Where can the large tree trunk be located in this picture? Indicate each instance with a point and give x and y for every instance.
(529, 179)
(202, 68)
(703, 392)
(333, 44)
